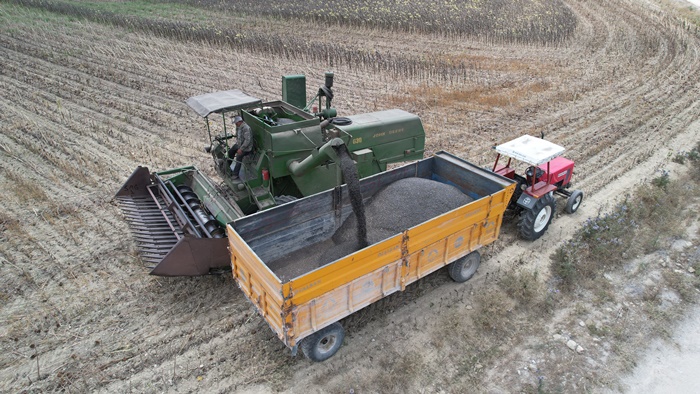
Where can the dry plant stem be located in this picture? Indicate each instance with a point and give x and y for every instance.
(616, 93)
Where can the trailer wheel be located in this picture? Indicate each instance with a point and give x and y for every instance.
(574, 201)
(324, 343)
(534, 222)
(463, 269)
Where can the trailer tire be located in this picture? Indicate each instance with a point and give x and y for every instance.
(463, 269)
(324, 343)
(574, 201)
(534, 222)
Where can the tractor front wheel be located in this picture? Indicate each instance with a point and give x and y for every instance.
(324, 343)
(534, 222)
(574, 201)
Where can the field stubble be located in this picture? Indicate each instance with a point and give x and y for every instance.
(82, 104)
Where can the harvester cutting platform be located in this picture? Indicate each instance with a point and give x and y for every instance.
(179, 216)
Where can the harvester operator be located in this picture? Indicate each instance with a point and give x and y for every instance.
(243, 146)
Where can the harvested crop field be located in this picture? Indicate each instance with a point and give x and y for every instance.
(86, 95)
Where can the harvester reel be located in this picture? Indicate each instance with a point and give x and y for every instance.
(534, 222)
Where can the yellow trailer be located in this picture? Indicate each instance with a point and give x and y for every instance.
(304, 310)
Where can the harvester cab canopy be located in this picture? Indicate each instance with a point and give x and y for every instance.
(222, 102)
(531, 150)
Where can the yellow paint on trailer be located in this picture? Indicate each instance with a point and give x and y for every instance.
(344, 270)
(342, 301)
(315, 290)
(257, 281)
(430, 246)
(310, 302)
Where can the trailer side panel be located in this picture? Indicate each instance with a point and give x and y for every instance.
(422, 250)
(257, 282)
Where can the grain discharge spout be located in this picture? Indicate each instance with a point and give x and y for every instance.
(316, 158)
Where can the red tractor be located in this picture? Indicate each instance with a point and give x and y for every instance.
(547, 174)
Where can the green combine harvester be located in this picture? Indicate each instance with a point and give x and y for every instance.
(178, 216)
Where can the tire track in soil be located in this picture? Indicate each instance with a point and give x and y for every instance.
(681, 109)
(103, 368)
(93, 134)
(100, 95)
(66, 252)
(630, 134)
(180, 322)
(216, 63)
(100, 115)
(92, 67)
(76, 53)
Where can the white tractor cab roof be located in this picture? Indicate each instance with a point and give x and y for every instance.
(531, 150)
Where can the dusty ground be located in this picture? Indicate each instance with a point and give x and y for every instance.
(82, 104)
(669, 366)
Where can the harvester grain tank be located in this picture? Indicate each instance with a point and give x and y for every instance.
(178, 216)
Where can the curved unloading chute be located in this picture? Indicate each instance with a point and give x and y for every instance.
(316, 158)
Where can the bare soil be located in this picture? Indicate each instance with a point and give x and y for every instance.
(668, 366)
(83, 104)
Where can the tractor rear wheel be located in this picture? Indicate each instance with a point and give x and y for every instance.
(324, 343)
(574, 201)
(463, 269)
(534, 222)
